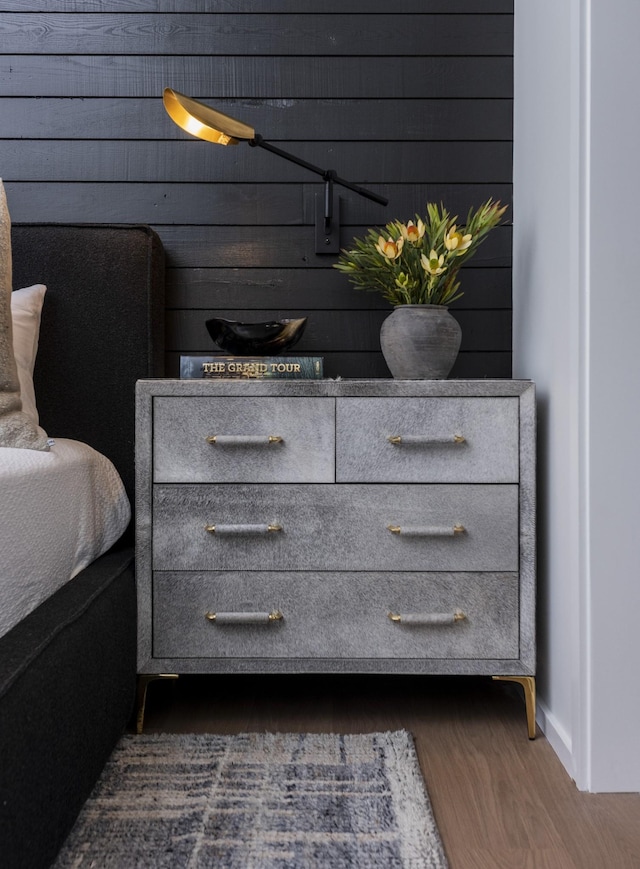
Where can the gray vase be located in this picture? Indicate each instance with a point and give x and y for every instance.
(420, 342)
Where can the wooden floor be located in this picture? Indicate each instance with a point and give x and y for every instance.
(501, 800)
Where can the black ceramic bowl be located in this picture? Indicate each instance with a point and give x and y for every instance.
(255, 339)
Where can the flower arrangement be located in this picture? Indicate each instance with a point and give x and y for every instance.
(417, 263)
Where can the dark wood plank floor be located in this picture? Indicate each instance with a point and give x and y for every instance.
(501, 801)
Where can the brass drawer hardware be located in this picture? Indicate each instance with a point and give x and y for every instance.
(428, 618)
(243, 529)
(427, 530)
(243, 440)
(244, 618)
(425, 440)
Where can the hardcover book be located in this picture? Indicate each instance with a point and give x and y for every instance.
(251, 367)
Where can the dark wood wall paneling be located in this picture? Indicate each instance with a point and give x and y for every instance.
(412, 100)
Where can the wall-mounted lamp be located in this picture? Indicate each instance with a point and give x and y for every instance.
(206, 123)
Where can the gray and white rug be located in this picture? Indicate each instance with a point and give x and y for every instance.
(258, 801)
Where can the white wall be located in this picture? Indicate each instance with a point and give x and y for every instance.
(615, 394)
(576, 314)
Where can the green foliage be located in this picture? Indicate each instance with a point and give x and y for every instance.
(417, 263)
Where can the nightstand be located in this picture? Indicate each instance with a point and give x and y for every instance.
(378, 526)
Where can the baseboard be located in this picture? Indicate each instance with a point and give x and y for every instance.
(557, 737)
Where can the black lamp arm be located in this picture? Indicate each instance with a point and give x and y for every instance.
(328, 174)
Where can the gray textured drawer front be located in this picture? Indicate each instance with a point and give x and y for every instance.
(343, 616)
(242, 427)
(427, 451)
(336, 527)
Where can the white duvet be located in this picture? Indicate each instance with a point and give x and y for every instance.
(59, 510)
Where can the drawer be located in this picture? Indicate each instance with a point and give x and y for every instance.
(257, 439)
(335, 615)
(335, 527)
(446, 440)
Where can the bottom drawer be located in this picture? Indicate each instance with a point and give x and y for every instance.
(342, 615)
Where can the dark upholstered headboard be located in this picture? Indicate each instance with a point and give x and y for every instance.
(102, 328)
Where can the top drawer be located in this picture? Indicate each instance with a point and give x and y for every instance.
(436, 440)
(258, 439)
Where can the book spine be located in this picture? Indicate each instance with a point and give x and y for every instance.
(251, 368)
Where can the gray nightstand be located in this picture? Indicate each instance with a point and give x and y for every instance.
(376, 526)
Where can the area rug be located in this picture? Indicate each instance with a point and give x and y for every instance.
(258, 801)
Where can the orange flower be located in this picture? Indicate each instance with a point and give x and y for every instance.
(390, 249)
(413, 232)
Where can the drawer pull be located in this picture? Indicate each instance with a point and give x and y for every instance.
(244, 440)
(427, 530)
(245, 618)
(426, 440)
(243, 529)
(428, 618)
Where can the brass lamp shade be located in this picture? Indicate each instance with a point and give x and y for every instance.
(204, 122)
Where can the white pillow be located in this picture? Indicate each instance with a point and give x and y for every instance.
(26, 310)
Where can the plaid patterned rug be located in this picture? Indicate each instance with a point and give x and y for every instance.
(258, 801)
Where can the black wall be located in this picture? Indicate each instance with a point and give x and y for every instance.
(411, 99)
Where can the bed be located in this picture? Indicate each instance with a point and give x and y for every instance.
(68, 667)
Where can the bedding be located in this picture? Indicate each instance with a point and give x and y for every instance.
(59, 511)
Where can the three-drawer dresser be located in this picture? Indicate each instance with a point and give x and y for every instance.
(353, 526)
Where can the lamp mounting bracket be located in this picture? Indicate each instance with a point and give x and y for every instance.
(327, 220)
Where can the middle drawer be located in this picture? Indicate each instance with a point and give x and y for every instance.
(335, 527)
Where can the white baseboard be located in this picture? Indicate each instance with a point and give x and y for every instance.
(557, 737)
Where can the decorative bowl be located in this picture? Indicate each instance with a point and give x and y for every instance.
(259, 339)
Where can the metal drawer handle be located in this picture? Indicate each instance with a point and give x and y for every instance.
(425, 440)
(243, 529)
(427, 530)
(428, 618)
(244, 618)
(243, 440)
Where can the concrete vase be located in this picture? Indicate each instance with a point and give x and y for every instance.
(420, 342)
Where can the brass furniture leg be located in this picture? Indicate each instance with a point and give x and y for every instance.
(141, 694)
(529, 686)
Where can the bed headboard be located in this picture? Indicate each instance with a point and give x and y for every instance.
(102, 328)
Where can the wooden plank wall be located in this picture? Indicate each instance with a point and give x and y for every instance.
(411, 99)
